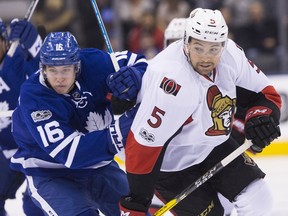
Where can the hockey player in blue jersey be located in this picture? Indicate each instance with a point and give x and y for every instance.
(66, 131)
(13, 72)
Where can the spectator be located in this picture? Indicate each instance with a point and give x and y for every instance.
(240, 10)
(130, 14)
(146, 36)
(259, 37)
(169, 9)
(54, 15)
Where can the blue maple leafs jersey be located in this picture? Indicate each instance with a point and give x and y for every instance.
(13, 72)
(68, 132)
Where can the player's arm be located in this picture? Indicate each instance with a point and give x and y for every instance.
(29, 40)
(142, 178)
(125, 83)
(262, 102)
(153, 128)
(262, 117)
(75, 150)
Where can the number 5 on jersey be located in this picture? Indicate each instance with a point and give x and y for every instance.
(156, 120)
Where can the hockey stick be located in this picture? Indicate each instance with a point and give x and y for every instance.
(105, 35)
(27, 17)
(203, 178)
(7, 113)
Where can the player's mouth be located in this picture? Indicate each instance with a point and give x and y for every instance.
(205, 66)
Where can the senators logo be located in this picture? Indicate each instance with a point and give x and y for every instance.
(170, 86)
(248, 160)
(222, 110)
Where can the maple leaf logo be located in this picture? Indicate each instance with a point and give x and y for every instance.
(4, 121)
(96, 121)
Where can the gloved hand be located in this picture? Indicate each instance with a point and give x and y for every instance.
(125, 83)
(120, 106)
(261, 128)
(119, 130)
(127, 204)
(27, 35)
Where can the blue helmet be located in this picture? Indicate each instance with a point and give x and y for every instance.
(3, 30)
(60, 48)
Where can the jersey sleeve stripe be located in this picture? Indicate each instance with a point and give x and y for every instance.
(132, 59)
(72, 151)
(272, 95)
(62, 145)
(136, 154)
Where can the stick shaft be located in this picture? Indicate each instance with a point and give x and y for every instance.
(27, 17)
(105, 35)
(203, 178)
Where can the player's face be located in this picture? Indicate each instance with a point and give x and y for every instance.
(204, 56)
(61, 78)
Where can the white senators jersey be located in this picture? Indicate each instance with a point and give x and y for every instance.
(185, 112)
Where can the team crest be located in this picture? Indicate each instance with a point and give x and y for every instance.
(4, 121)
(170, 86)
(248, 160)
(80, 101)
(96, 121)
(222, 110)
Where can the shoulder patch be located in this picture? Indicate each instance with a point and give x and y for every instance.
(41, 115)
(170, 86)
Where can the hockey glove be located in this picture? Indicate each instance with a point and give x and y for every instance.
(125, 83)
(261, 128)
(120, 106)
(29, 39)
(127, 204)
(119, 130)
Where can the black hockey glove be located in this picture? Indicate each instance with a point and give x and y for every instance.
(129, 206)
(119, 130)
(120, 106)
(261, 128)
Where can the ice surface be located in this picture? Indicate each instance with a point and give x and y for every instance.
(276, 168)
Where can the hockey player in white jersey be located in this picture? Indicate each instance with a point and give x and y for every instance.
(65, 130)
(182, 128)
(175, 31)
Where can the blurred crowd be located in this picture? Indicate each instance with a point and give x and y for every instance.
(139, 25)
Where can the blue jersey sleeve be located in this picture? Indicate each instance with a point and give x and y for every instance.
(127, 58)
(101, 62)
(13, 72)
